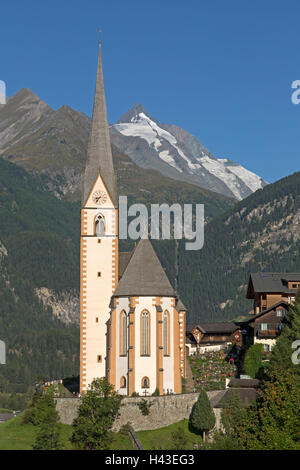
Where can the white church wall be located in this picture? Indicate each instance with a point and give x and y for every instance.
(168, 362)
(122, 361)
(96, 258)
(145, 366)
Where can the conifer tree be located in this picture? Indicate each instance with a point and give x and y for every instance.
(203, 418)
(49, 429)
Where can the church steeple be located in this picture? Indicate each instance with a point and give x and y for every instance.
(99, 156)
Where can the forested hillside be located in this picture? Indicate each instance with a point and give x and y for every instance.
(39, 247)
(260, 233)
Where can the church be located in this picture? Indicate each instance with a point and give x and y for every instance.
(132, 323)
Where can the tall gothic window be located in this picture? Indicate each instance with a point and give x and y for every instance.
(99, 225)
(123, 325)
(145, 334)
(166, 333)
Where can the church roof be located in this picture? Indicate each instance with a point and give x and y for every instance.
(144, 275)
(99, 156)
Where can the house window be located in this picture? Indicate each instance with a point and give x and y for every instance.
(263, 326)
(145, 334)
(123, 382)
(166, 333)
(97, 319)
(279, 313)
(123, 326)
(266, 347)
(99, 274)
(145, 382)
(99, 358)
(99, 225)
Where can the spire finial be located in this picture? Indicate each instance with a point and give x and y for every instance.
(100, 34)
(99, 156)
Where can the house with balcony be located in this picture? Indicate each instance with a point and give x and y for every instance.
(267, 289)
(209, 337)
(265, 327)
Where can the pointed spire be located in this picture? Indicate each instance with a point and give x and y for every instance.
(99, 156)
(144, 274)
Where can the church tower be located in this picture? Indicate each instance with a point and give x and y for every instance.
(99, 243)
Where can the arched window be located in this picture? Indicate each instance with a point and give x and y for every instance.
(166, 333)
(123, 382)
(145, 337)
(123, 333)
(99, 225)
(145, 382)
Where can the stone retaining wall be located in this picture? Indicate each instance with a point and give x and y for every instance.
(164, 410)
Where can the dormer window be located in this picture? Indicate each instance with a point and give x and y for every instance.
(99, 225)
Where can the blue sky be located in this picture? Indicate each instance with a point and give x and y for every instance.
(220, 69)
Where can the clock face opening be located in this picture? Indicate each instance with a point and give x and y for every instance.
(99, 197)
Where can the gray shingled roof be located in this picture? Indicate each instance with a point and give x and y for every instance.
(273, 282)
(99, 156)
(180, 306)
(124, 258)
(144, 275)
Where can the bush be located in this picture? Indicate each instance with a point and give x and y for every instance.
(253, 360)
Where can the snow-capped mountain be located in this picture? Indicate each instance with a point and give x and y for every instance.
(177, 154)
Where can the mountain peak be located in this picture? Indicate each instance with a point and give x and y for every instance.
(133, 114)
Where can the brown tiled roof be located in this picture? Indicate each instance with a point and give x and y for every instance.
(144, 275)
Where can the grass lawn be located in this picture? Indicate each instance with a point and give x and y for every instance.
(17, 436)
(163, 439)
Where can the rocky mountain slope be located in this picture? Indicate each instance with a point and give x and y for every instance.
(176, 153)
(53, 144)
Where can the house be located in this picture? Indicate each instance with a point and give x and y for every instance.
(266, 289)
(206, 337)
(265, 327)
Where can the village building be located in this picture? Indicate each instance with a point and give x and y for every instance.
(132, 323)
(266, 289)
(265, 327)
(209, 337)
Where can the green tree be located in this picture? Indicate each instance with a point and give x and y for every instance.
(281, 355)
(48, 436)
(202, 418)
(272, 422)
(253, 360)
(97, 411)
